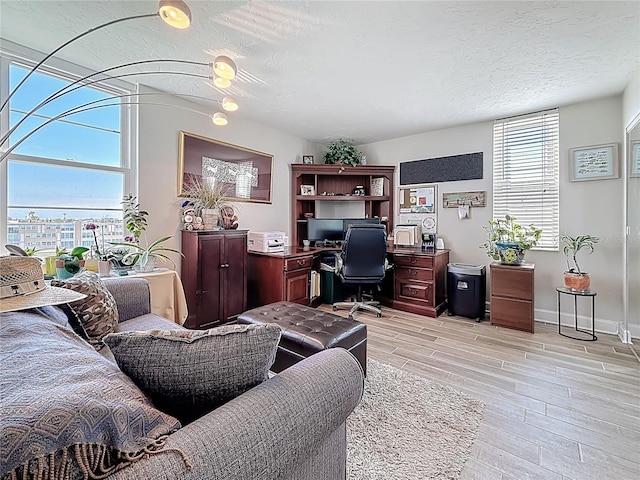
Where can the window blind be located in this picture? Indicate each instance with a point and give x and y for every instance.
(526, 172)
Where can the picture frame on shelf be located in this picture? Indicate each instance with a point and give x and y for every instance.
(307, 159)
(307, 190)
(595, 162)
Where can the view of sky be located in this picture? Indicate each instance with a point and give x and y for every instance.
(88, 137)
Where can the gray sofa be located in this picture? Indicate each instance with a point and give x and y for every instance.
(291, 426)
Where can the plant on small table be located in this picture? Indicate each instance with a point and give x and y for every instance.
(508, 241)
(146, 258)
(574, 278)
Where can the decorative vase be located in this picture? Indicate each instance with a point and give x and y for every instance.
(104, 268)
(580, 282)
(510, 253)
(148, 267)
(91, 264)
(209, 218)
(50, 265)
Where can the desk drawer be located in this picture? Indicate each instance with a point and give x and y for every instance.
(298, 263)
(412, 273)
(414, 291)
(413, 261)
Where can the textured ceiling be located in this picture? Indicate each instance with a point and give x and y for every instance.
(366, 71)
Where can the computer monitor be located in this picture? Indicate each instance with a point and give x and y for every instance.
(320, 229)
(347, 222)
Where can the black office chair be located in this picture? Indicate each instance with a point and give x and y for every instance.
(362, 261)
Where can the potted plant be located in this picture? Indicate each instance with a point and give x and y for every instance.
(143, 258)
(134, 219)
(68, 264)
(574, 278)
(343, 153)
(208, 198)
(508, 241)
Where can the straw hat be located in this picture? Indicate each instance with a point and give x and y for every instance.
(22, 286)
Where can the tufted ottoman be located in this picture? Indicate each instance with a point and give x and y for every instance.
(306, 331)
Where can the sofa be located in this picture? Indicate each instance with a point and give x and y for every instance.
(291, 426)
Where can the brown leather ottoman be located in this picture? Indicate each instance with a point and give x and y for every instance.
(306, 331)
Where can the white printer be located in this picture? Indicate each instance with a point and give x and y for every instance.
(267, 242)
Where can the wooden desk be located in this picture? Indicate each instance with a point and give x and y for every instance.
(416, 284)
(167, 295)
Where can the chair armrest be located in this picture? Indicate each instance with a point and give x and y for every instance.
(267, 431)
(132, 296)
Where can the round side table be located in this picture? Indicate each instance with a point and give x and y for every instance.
(578, 293)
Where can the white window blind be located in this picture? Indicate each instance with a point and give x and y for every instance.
(526, 172)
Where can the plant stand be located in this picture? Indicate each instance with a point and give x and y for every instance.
(578, 293)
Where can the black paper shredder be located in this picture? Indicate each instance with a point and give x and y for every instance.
(466, 290)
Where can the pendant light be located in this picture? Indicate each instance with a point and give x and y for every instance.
(175, 12)
(219, 119)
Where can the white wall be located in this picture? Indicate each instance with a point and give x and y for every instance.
(158, 139)
(593, 207)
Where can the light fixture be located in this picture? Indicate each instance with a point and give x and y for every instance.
(224, 67)
(229, 104)
(175, 12)
(219, 119)
(180, 11)
(221, 82)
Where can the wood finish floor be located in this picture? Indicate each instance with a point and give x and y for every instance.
(556, 408)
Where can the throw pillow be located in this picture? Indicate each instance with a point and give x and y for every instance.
(97, 312)
(188, 373)
(66, 408)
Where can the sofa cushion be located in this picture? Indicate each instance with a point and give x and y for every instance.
(149, 321)
(97, 312)
(66, 407)
(188, 373)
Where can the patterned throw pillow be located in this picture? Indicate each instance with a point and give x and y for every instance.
(188, 373)
(97, 312)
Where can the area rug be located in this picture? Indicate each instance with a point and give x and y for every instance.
(407, 427)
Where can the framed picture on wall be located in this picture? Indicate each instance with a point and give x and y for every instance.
(634, 169)
(596, 162)
(245, 173)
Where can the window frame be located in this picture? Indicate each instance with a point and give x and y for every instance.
(11, 53)
(549, 196)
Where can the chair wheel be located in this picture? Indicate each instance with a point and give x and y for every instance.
(334, 308)
(350, 317)
(378, 315)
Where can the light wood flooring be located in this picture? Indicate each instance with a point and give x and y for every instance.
(556, 408)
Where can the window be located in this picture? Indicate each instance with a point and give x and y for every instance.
(74, 170)
(526, 172)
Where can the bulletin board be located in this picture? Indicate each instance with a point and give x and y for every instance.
(442, 169)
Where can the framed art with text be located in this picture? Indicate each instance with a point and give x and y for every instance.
(597, 162)
(246, 173)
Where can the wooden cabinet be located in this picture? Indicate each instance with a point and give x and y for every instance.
(278, 277)
(419, 281)
(512, 299)
(214, 276)
(334, 183)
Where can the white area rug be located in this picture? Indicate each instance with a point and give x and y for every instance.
(407, 427)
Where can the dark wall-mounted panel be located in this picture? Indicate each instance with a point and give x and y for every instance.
(443, 169)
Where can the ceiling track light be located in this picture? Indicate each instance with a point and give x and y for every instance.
(229, 104)
(224, 67)
(175, 13)
(219, 119)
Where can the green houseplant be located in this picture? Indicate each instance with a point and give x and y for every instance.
(68, 264)
(508, 240)
(208, 198)
(342, 152)
(574, 278)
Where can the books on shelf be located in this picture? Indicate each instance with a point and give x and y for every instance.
(377, 187)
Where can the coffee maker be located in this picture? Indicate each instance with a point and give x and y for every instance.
(428, 241)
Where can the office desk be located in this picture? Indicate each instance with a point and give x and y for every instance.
(167, 294)
(416, 283)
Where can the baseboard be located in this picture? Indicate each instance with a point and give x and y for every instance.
(603, 325)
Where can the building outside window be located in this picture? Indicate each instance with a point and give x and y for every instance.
(74, 170)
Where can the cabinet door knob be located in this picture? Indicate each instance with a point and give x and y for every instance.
(413, 272)
(224, 265)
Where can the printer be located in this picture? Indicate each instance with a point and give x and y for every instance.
(267, 242)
